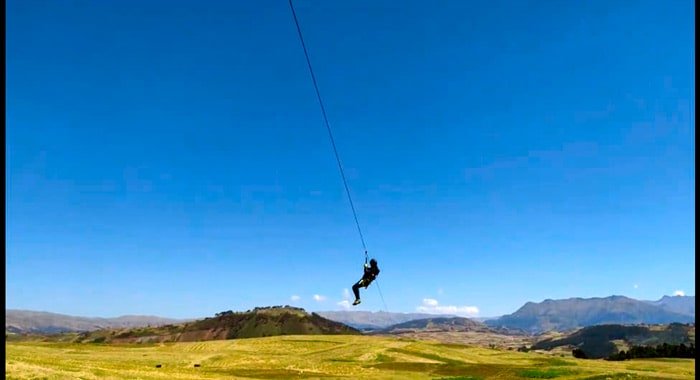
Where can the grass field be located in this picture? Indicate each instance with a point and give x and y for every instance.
(323, 356)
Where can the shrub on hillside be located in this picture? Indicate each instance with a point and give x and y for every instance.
(578, 353)
(661, 351)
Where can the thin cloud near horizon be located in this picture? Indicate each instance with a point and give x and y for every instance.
(432, 306)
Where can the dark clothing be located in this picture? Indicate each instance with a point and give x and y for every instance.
(370, 274)
(356, 289)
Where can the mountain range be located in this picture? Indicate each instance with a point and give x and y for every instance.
(677, 304)
(27, 321)
(531, 318)
(573, 313)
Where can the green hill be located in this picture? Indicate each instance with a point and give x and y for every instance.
(259, 322)
(605, 340)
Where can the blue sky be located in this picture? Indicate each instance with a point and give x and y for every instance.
(170, 158)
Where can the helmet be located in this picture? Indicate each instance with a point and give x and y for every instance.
(373, 262)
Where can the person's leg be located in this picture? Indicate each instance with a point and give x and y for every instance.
(356, 290)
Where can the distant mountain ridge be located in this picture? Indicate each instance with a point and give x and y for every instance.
(366, 320)
(572, 313)
(678, 304)
(27, 321)
(556, 315)
(439, 324)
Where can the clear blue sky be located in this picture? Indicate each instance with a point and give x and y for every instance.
(169, 157)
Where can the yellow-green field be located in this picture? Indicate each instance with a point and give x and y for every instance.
(350, 357)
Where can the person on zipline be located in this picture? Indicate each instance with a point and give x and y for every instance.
(371, 272)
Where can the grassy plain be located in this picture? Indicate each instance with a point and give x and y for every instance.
(316, 356)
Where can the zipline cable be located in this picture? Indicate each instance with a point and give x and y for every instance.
(328, 127)
(376, 281)
(335, 149)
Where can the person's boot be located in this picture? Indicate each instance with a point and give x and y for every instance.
(357, 302)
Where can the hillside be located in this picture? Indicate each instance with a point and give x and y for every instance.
(439, 324)
(365, 320)
(317, 357)
(457, 330)
(572, 313)
(259, 322)
(605, 340)
(39, 322)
